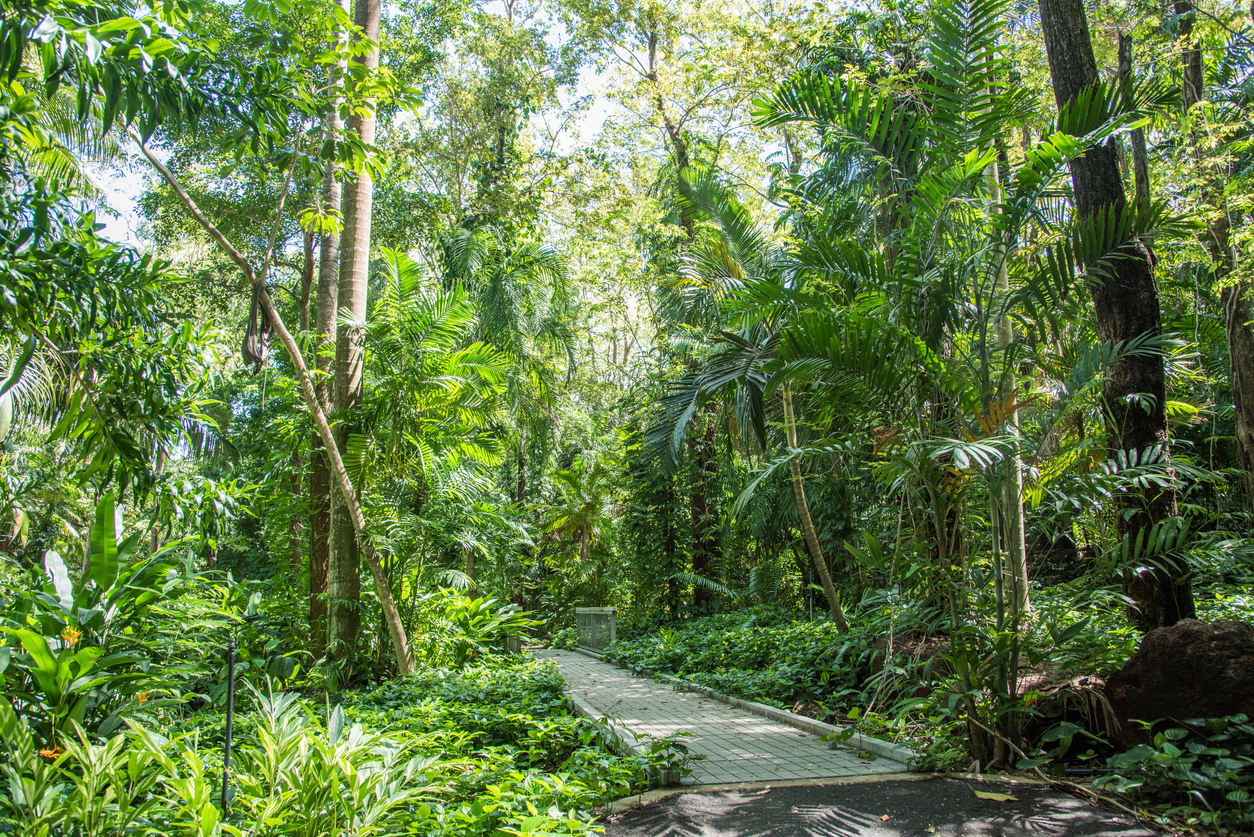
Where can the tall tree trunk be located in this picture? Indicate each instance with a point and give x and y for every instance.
(155, 535)
(344, 483)
(1140, 154)
(1126, 304)
(344, 573)
(1233, 296)
(296, 529)
(306, 281)
(328, 304)
(803, 514)
(1191, 88)
(703, 452)
(1010, 506)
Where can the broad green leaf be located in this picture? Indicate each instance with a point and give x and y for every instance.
(103, 567)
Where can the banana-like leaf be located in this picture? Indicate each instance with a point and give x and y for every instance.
(103, 564)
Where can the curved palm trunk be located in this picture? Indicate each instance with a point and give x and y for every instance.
(807, 522)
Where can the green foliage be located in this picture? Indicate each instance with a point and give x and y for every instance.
(76, 660)
(761, 653)
(1199, 775)
(481, 623)
(565, 638)
(526, 754)
(485, 751)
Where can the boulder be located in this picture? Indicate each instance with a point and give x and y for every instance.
(1192, 669)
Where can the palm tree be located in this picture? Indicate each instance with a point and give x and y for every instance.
(579, 520)
(430, 394)
(522, 296)
(739, 371)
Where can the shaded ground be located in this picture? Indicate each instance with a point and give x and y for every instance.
(935, 807)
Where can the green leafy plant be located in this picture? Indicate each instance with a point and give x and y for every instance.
(76, 659)
(481, 624)
(1200, 774)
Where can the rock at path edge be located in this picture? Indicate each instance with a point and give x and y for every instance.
(1192, 669)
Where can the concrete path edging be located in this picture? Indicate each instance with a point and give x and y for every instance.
(625, 741)
(835, 735)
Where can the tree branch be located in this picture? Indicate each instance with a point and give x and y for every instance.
(400, 644)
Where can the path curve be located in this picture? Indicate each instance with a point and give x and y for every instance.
(738, 746)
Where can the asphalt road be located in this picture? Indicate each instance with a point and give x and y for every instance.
(933, 807)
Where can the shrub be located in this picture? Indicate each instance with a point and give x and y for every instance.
(1201, 775)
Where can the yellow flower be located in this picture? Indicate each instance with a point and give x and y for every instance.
(71, 635)
(141, 697)
(51, 753)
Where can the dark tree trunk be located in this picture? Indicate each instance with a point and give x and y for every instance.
(1126, 304)
(1191, 88)
(703, 453)
(1140, 154)
(306, 281)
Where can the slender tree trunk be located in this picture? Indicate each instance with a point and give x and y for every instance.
(1191, 88)
(703, 455)
(306, 281)
(344, 574)
(1140, 154)
(803, 514)
(1126, 303)
(344, 483)
(296, 529)
(1013, 536)
(324, 341)
(155, 536)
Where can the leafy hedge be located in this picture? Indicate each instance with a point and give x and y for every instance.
(490, 750)
(761, 653)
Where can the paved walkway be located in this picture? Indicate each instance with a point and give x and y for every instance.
(738, 746)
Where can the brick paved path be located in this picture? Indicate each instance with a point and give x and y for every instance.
(739, 746)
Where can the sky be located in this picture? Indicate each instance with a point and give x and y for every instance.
(122, 185)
